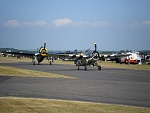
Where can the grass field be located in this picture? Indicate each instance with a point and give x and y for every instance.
(32, 105)
(103, 63)
(12, 71)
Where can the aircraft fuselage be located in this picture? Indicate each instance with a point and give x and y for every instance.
(40, 58)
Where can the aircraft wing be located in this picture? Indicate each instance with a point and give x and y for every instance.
(20, 53)
(145, 53)
(119, 55)
(68, 56)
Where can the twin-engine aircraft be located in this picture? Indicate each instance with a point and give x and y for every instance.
(79, 59)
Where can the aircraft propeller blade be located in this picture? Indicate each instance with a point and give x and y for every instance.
(44, 45)
(95, 46)
(95, 53)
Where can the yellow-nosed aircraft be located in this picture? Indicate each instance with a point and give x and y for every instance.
(43, 52)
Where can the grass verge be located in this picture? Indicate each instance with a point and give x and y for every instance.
(30, 105)
(124, 66)
(12, 71)
(109, 64)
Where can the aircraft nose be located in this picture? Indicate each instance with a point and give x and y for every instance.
(43, 52)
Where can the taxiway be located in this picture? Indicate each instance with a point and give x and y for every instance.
(110, 85)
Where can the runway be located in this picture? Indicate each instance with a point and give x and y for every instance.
(110, 85)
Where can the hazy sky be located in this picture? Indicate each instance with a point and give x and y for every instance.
(75, 24)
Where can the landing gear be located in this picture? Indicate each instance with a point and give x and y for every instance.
(33, 62)
(85, 67)
(50, 63)
(78, 64)
(99, 67)
(49, 60)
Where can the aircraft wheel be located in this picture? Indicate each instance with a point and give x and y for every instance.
(33, 62)
(99, 67)
(50, 63)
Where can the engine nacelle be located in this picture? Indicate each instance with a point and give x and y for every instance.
(96, 55)
(43, 51)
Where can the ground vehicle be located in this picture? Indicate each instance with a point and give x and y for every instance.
(131, 57)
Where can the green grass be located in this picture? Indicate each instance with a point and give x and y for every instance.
(12, 71)
(30, 105)
(13, 59)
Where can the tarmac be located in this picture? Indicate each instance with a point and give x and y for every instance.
(110, 85)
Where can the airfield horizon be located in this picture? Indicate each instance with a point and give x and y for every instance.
(108, 64)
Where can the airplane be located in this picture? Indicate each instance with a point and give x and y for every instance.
(132, 57)
(43, 52)
(82, 59)
(5, 54)
(79, 59)
(87, 60)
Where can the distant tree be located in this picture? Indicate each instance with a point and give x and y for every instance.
(122, 51)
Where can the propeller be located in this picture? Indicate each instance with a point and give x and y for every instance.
(95, 53)
(95, 46)
(44, 45)
(43, 50)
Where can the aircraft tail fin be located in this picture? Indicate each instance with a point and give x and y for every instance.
(88, 52)
(75, 52)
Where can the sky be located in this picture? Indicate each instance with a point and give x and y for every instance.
(75, 24)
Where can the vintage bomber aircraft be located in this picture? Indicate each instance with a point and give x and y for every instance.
(81, 59)
(43, 52)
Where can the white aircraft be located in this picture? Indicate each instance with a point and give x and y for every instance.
(127, 58)
(133, 57)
